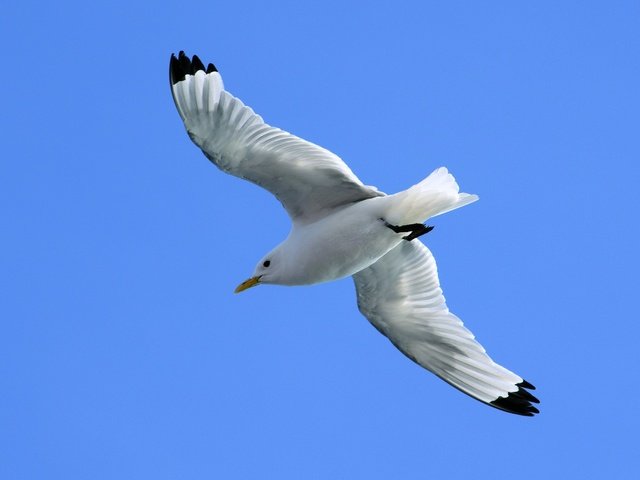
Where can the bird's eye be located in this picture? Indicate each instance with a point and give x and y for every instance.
(266, 263)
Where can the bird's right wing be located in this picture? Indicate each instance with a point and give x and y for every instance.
(400, 295)
(308, 180)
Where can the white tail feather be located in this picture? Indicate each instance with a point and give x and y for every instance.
(438, 193)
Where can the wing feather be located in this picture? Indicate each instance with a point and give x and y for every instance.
(308, 180)
(401, 296)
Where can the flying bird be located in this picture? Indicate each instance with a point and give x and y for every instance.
(341, 227)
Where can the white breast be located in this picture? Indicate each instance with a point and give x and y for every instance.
(339, 245)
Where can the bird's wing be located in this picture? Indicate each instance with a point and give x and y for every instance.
(308, 180)
(400, 295)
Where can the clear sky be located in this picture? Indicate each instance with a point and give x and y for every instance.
(125, 354)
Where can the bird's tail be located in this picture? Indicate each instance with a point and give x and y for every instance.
(438, 193)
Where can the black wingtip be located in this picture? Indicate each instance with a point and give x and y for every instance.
(181, 66)
(196, 64)
(526, 384)
(176, 72)
(519, 402)
(185, 63)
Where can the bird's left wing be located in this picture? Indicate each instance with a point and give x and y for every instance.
(400, 295)
(308, 180)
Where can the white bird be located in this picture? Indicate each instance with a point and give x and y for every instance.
(342, 227)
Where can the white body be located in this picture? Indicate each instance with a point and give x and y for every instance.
(339, 244)
(352, 238)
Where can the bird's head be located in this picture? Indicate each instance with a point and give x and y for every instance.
(268, 270)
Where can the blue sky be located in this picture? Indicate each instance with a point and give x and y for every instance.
(124, 353)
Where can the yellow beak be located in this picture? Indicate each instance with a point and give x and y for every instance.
(252, 282)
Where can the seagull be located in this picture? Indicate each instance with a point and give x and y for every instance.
(341, 227)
